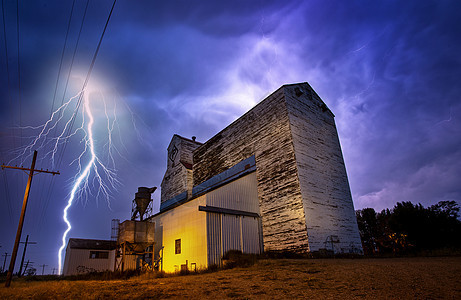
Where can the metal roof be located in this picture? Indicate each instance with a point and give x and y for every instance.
(91, 244)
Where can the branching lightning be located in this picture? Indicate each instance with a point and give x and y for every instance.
(92, 173)
(89, 143)
(55, 134)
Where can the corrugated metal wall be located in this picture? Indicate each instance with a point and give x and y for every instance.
(214, 238)
(131, 262)
(231, 236)
(229, 231)
(240, 194)
(250, 235)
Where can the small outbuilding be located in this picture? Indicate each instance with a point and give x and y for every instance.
(86, 255)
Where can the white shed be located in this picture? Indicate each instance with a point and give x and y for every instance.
(86, 255)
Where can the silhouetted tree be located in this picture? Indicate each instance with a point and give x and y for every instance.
(411, 220)
(368, 227)
(31, 271)
(446, 228)
(409, 227)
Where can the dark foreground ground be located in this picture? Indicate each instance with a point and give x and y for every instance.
(386, 278)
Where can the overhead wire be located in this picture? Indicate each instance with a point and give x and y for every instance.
(87, 80)
(8, 201)
(62, 58)
(6, 54)
(51, 186)
(8, 91)
(73, 118)
(19, 73)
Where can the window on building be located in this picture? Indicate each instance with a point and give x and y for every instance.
(99, 254)
(177, 246)
(173, 153)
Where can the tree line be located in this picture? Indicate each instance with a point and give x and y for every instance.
(408, 228)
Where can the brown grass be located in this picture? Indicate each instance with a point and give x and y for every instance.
(388, 278)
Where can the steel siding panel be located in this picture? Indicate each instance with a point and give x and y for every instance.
(250, 232)
(231, 233)
(241, 194)
(214, 238)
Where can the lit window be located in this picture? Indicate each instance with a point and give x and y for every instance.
(177, 246)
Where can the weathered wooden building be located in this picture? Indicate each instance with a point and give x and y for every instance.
(273, 180)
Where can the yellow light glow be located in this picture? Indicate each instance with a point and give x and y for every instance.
(188, 224)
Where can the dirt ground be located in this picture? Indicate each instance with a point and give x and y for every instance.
(386, 278)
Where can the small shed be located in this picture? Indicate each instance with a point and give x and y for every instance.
(87, 255)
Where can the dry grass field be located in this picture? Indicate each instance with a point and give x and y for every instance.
(386, 278)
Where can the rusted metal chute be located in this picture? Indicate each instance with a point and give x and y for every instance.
(135, 237)
(142, 203)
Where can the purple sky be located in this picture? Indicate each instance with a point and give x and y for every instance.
(389, 72)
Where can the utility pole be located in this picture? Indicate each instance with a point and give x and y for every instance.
(9, 276)
(43, 268)
(4, 262)
(24, 253)
(27, 265)
(54, 270)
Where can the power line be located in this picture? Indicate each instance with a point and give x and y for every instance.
(4, 261)
(19, 73)
(6, 52)
(73, 55)
(86, 80)
(69, 129)
(32, 169)
(62, 57)
(8, 199)
(28, 266)
(47, 199)
(15, 144)
(24, 253)
(43, 268)
(51, 186)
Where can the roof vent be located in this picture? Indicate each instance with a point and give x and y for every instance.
(193, 138)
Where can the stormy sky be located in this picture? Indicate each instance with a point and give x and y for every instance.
(388, 70)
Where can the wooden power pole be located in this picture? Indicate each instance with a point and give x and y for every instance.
(43, 268)
(9, 276)
(24, 253)
(4, 262)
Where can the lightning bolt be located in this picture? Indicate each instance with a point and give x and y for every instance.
(42, 140)
(88, 163)
(50, 142)
(83, 177)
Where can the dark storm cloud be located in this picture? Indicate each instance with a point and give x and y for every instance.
(221, 18)
(389, 71)
(402, 66)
